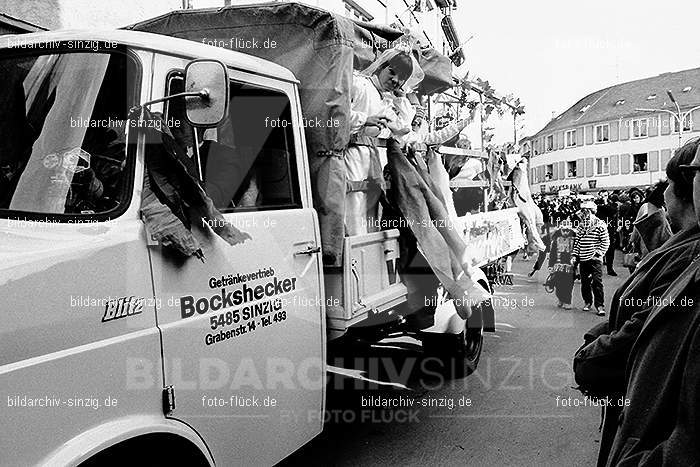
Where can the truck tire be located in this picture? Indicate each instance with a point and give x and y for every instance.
(473, 341)
(456, 355)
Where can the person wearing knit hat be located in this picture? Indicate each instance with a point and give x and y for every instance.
(592, 241)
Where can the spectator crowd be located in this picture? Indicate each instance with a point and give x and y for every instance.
(619, 209)
(646, 352)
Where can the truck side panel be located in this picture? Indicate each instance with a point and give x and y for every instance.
(243, 332)
(79, 371)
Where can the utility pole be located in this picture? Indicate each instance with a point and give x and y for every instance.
(481, 118)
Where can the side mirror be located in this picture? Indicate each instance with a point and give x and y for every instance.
(210, 79)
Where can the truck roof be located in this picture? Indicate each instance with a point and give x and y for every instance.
(157, 43)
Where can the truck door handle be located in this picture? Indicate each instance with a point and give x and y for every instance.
(310, 250)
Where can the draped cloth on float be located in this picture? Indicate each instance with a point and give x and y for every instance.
(494, 171)
(172, 197)
(421, 203)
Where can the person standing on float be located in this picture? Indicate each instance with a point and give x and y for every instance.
(376, 110)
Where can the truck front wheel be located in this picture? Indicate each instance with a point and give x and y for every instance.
(474, 338)
(457, 355)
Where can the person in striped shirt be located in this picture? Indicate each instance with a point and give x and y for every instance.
(592, 241)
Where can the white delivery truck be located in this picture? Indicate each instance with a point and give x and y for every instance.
(114, 346)
(110, 344)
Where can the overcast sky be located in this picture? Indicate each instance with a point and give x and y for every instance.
(551, 53)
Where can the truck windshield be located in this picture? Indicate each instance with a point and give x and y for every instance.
(63, 122)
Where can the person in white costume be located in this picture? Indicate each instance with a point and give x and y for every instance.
(377, 109)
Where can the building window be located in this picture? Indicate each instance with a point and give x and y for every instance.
(640, 128)
(640, 162)
(550, 143)
(602, 165)
(570, 138)
(571, 169)
(548, 172)
(602, 133)
(687, 123)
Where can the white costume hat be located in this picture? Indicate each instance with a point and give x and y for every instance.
(417, 74)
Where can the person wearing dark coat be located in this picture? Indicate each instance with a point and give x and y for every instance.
(651, 224)
(545, 235)
(561, 249)
(599, 367)
(661, 424)
(627, 214)
(607, 212)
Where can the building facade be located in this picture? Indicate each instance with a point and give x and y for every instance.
(618, 137)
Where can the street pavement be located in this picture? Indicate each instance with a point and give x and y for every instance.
(518, 408)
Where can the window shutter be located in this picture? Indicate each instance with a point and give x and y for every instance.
(625, 163)
(665, 157)
(589, 166)
(614, 164)
(579, 136)
(653, 128)
(695, 126)
(561, 140)
(579, 168)
(562, 170)
(653, 161)
(625, 129)
(666, 124)
(555, 172)
(589, 135)
(614, 131)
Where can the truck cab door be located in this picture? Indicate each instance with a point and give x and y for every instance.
(243, 332)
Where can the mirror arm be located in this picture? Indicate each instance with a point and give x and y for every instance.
(203, 94)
